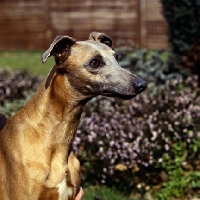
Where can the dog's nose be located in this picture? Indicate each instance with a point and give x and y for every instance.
(139, 85)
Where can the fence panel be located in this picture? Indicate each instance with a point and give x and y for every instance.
(33, 24)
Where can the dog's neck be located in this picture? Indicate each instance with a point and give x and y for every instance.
(60, 106)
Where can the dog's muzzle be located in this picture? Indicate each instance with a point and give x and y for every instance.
(139, 85)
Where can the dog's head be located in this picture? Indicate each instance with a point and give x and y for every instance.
(91, 67)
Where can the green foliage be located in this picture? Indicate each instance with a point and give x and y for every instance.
(178, 181)
(104, 193)
(183, 18)
(194, 180)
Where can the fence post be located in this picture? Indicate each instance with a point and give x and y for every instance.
(143, 26)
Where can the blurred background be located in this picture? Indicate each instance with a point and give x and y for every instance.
(147, 148)
(33, 24)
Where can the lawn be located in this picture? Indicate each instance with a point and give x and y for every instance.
(104, 193)
(26, 60)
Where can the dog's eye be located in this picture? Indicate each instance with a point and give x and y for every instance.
(95, 63)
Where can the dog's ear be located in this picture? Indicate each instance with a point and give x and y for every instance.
(101, 37)
(3, 121)
(59, 48)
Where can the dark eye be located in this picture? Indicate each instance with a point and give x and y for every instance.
(95, 63)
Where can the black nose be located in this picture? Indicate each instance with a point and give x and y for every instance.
(139, 85)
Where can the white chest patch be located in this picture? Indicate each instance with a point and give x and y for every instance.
(63, 191)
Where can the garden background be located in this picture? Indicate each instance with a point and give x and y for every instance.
(145, 148)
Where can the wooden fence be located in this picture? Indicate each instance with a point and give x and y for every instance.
(33, 24)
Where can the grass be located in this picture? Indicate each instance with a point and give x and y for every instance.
(31, 61)
(26, 60)
(103, 193)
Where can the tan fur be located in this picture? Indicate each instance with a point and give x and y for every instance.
(36, 157)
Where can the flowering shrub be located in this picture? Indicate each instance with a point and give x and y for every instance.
(123, 143)
(136, 144)
(156, 67)
(16, 84)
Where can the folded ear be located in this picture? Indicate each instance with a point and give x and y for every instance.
(59, 48)
(101, 37)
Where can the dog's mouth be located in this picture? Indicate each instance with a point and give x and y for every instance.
(126, 97)
(118, 95)
(116, 91)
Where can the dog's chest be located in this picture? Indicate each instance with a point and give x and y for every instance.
(64, 192)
